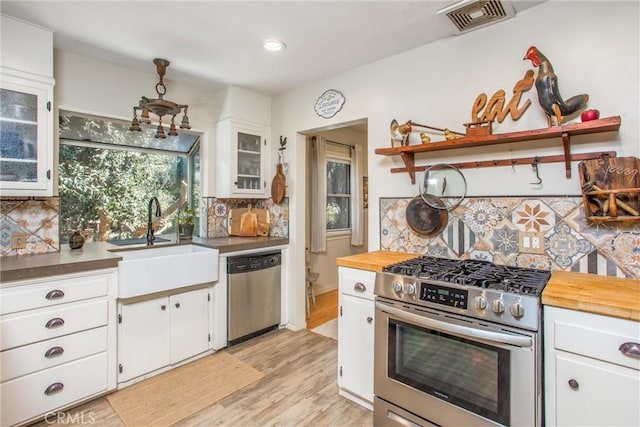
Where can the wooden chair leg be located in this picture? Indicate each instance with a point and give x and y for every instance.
(306, 300)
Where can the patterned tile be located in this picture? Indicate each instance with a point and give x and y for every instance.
(439, 250)
(388, 234)
(487, 228)
(481, 216)
(480, 255)
(506, 204)
(596, 233)
(563, 205)
(625, 250)
(541, 262)
(505, 240)
(458, 236)
(565, 246)
(598, 263)
(38, 219)
(533, 215)
(219, 209)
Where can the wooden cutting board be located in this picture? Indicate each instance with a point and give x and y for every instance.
(259, 228)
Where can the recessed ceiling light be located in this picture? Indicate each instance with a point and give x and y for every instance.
(273, 45)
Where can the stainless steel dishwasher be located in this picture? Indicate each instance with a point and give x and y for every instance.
(253, 295)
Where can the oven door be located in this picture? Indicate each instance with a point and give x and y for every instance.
(453, 371)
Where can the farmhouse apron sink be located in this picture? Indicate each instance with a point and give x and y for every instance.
(147, 271)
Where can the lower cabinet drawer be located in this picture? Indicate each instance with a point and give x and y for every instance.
(359, 283)
(53, 292)
(36, 394)
(46, 354)
(39, 325)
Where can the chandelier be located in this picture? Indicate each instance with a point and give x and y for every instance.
(160, 107)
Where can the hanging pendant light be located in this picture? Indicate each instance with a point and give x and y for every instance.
(159, 107)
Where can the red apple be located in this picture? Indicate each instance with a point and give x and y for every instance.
(589, 115)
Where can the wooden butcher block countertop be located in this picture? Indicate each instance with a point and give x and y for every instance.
(609, 296)
(374, 261)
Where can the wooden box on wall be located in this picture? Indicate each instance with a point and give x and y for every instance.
(611, 189)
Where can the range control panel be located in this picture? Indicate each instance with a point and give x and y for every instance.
(443, 295)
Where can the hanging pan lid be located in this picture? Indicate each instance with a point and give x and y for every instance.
(446, 183)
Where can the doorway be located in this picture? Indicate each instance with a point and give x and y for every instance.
(338, 241)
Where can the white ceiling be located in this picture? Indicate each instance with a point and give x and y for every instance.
(220, 43)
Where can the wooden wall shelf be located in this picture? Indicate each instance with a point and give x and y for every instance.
(407, 153)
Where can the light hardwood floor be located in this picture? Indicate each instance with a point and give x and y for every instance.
(298, 389)
(326, 309)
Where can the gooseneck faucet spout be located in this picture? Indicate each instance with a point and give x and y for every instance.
(150, 236)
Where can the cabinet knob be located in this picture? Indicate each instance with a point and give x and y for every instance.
(55, 294)
(53, 352)
(573, 384)
(359, 287)
(177, 305)
(54, 323)
(369, 319)
(163, 307)
(54, 388)
(630, 349)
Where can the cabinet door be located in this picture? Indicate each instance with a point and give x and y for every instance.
(602, 395)
(249, 173)
(189, 324)
(25, 138)
(143, 337)
(355, 346)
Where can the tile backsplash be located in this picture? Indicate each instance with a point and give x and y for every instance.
(37, 219)
(217, 210)
(488, 228)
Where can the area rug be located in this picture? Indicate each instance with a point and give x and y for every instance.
(169, 397)
(329, 329)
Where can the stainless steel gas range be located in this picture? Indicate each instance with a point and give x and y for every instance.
(457, 344)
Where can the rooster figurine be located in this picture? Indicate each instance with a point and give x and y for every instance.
(400, 133)
(548, 92)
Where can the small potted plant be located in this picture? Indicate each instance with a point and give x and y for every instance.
(185, 222)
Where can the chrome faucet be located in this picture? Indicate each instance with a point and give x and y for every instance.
(150, 236)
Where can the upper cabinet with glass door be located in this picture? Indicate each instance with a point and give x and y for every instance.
(242, 155)
(26, 117)
(26, 130)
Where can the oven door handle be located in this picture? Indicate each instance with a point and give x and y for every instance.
(465, 331)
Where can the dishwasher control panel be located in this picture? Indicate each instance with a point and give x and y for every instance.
(252, 262)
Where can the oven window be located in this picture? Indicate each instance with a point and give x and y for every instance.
(464, 373)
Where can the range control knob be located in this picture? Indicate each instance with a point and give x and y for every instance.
(480, 302)
(497, 306)
(411, 289)
(517, 309)
(397, 286)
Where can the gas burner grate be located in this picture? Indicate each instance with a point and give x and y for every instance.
(476, 273)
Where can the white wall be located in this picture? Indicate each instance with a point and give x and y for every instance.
(337, 245)
(593, 46)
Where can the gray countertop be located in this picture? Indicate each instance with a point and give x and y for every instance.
(99, 255)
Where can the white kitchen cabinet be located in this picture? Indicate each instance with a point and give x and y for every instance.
(355, 335)
(58, 343)
(163, 331)
(242, 156)
(189, 312)
(26, 104)
(591, 376)
(26, 136)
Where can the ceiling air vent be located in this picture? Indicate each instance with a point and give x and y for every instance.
(467, 15)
